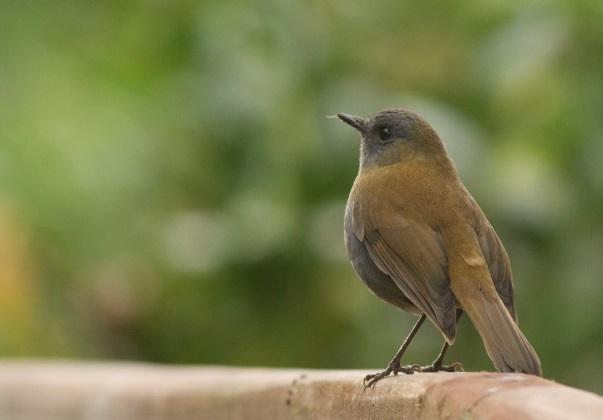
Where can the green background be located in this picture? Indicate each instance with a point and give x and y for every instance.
(170, 190)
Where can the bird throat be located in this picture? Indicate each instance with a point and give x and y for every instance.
(377, 155)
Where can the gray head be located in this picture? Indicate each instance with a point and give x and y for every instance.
(394, 135)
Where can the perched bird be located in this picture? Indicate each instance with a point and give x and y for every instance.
(420, 241)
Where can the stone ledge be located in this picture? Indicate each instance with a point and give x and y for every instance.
(31, 390)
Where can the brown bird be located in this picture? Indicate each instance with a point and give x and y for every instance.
(419, 241)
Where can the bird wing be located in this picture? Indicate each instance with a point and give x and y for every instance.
(499, 266)
(413, 256)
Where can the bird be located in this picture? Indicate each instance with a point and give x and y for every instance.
(418, 239)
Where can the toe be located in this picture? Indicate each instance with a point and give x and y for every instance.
(457, 367)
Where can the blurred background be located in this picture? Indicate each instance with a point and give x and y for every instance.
(170, 190)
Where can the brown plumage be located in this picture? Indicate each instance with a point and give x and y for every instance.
(418, 239)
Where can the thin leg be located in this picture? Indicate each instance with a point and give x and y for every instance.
(440, 359)
(394, 365)
(438, 364)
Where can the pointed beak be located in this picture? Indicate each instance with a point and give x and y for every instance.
(358, 123)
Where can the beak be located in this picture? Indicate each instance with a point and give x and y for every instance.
(357, 122)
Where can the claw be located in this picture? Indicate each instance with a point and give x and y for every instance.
(370, 380)
(455, 367)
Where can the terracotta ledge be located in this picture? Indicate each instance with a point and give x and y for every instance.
(120, 391)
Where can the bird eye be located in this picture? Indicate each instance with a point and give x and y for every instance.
(384, 133)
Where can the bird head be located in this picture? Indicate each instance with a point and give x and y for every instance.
(395, 135)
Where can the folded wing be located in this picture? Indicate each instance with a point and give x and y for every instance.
(412, 254)
(499, 266)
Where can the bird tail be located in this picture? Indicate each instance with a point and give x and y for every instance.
(505, 344)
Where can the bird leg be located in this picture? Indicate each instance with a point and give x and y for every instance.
(394, 365)
(438, 364)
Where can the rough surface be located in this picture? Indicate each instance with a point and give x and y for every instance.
(119, 391)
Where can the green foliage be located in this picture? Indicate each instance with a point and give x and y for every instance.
(177, 194)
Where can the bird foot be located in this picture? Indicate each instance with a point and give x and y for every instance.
(371, 380)
(438, 367)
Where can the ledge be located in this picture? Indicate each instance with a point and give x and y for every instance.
(119, 391)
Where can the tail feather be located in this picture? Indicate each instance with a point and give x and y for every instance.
(505, 344)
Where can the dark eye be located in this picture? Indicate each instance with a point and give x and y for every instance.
(385, 133)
